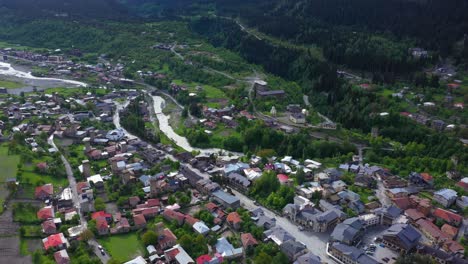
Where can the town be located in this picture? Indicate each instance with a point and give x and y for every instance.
(175, 206)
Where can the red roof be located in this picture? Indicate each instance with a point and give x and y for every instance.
(414, 214)
(191, 220)
(248, 240)
(52, 241)
(101, 223)
(61, 257)
(100, 214)
(139, 219)
(45, 213)
(81, 185)
(171, 214)
(447, 215)
(453, 85)
(203, 259)
(211, 206)
(44, 190)
(172, 253)
(449, 230)
(153, 202)
(405, 113)
(282, 177)
(426, 177)
(166, 236)
(42, 165)
(365, 85)
(49, 226)
(403, 203)
(234, 218)
(463, 184)
(432, 229)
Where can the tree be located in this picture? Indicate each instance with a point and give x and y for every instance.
(149, 238)
(99, 204)
(300, 176)
(87, 234)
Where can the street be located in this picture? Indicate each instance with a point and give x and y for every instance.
(76, 202)
(315, 242)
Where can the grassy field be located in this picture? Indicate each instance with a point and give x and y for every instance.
(123, 247)
(25, 213)
(34, 178)
(10, 84)
(8, 163)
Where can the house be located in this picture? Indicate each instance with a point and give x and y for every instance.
(121, 227)
(463, 183)
(308, 258)
(139, 221)
(293, 249)
(414, 215)
(462, 202)
(56, 241)
(401, 237)
(431, 231)
(445, 197)
(49, 227)
(338, 185)
(226, 249)
(369, 220)
(45, 213)
(226, 200)
(278, 235)
(201, 228)
(421, 179)
(238, 181)
(234, 220)
(166, 239)
(397, 193)
(387, 214)
(349, 232)
(350, 255)
(297, 118)
(423, 205)
(133, 201)
(137, 260)
(44, 192)
(101, 214)
(172, 215)
(440, 256)
(248, 241)
(283, 179)
(449, 217)
(61, 257)
(449, 230)
(102, 226)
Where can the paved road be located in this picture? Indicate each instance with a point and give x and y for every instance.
(381, 196)
(315, 242)
(72, 181)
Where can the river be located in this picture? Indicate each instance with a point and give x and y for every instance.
(158, 104)
(30, 82)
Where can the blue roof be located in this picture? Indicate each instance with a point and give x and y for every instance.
(230, 199)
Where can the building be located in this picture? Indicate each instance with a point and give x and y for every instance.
(248, 241)
(139, 221)
(137, 260)
(369, 220)
(226, 200)
(278, 235)
(227, 250)
(201, 228)
(293, 249)
(102, 226)
(349, 232)
(449, 230)
(308, 258)
(172, 215)
(61, 257)
(44, 192)
(234, 220)
(45, 213)
(449, 217)
(49, 227)
(387, 214)
(350, 255)
(56, 241)
(166, 239)
(297, 118)
(445, 197)
(401, 237)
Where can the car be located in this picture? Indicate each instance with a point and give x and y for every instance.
(255, 202)
(300, 228)
(382, 245)
(102, 252)
(369, 253)
(99, 247)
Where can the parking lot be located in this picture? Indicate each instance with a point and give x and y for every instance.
(371, 244)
